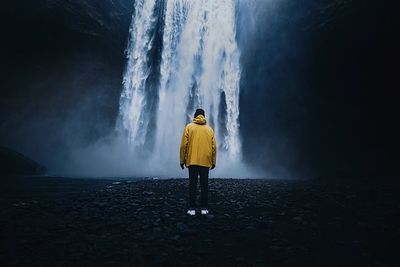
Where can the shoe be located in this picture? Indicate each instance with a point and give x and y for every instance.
(204, 211)
(191, 212)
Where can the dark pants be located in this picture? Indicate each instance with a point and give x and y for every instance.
(194, 173)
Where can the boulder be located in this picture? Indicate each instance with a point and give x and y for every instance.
(12, 162)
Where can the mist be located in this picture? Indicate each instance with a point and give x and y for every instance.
(118, 155)
(299, 95)
(79, 142)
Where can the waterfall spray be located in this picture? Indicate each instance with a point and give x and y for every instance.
(197, 66)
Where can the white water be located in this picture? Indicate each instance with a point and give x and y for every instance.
(133, 99)
(199, 63)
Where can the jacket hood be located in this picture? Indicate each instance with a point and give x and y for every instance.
(200, 120)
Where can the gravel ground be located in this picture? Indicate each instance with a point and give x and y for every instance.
(48, 221)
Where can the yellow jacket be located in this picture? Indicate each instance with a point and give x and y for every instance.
(198, 145)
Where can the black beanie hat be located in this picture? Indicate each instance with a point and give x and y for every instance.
(198, 112)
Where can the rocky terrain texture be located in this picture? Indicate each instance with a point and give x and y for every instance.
(47, 221)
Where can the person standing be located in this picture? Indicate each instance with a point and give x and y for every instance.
(198, 152)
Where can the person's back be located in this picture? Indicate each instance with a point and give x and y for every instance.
(198, 153)
(200, 144)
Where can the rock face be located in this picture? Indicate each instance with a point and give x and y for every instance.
(12, 162)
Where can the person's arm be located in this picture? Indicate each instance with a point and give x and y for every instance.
(214, 151)
(183, 148)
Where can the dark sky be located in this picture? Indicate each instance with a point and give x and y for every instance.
(317, 90)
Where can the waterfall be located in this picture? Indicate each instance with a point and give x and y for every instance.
(181, 55)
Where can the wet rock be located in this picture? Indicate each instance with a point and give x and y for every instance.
(103, 225)
(181, 226)
(296, 218)
(210, 216)
(157, 229)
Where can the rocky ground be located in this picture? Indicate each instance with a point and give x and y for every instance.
(143, 222)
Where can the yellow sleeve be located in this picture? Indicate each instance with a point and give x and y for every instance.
(183, 148)
(214, 150)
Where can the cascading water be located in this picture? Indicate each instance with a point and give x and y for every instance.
(182, 55)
